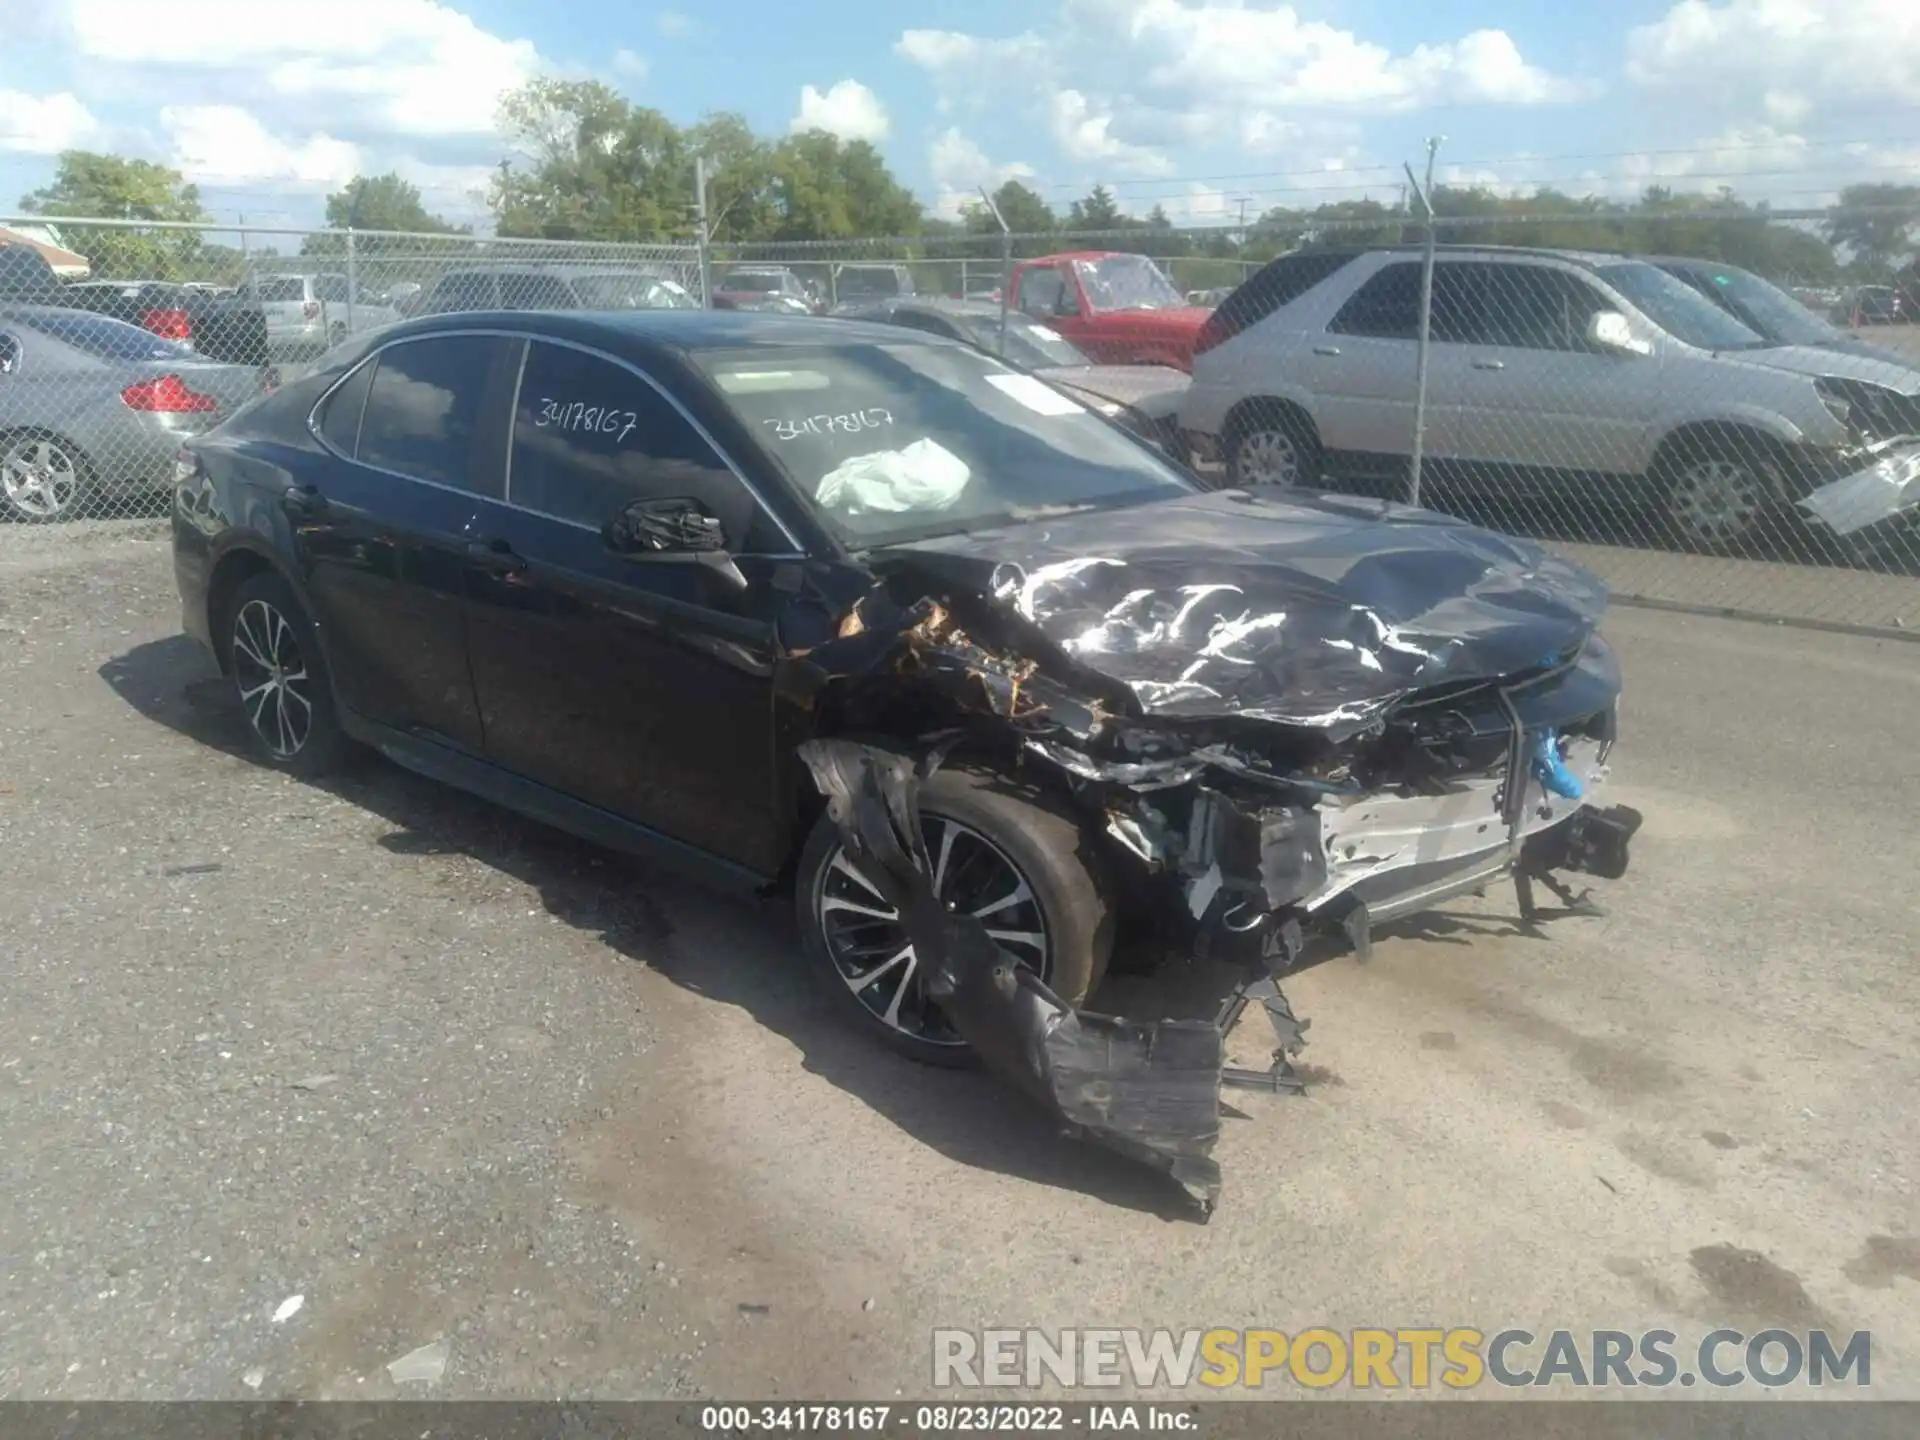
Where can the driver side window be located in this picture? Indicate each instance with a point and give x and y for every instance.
(591, 436)
(1042, 291)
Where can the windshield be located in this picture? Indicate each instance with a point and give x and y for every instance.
(630, 292)
(1127, 282)
(106, 339)
(1763, 307)
(760, 281)
(1677, 308)
(1034, 347)
(903, 441)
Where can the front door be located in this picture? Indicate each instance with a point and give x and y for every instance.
(640, 685)
(382, 528)
(1536, 398)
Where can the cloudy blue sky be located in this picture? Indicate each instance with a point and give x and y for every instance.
(1193, 104)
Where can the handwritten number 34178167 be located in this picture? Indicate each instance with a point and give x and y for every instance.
(581, 417)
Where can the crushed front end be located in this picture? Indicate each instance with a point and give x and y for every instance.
(1287, 724)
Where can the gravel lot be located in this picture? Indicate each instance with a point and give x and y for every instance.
(455, 1079)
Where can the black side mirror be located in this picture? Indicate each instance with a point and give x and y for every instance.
(677, 529)
(665, 527)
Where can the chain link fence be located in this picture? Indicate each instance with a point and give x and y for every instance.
(1727, 420)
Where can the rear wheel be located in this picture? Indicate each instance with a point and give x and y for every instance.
(1014, 862)
(1272, 447)
(41, 478)
(281, 679)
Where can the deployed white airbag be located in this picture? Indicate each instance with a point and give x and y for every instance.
(923, 476)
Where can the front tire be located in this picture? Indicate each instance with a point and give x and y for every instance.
(1717, 497)
(1024, 866)
(280, 676)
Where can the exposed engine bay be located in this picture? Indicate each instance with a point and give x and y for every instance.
(1337, 715)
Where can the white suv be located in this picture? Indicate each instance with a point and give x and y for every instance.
(1550, 373)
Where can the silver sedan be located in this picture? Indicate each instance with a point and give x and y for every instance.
(93, 410)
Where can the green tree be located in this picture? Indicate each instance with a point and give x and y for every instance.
(112, 187)
(385, 202)
(831, 189)
(1097, 211)
(1878, 241)
(593, 166)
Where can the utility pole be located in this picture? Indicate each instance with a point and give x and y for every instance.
(700, 219)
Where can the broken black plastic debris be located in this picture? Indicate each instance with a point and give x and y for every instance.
(1149, 1090)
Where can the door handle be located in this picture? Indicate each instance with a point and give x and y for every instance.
(302, 500)
(1326, 349)
(1489, 364)
(494, 556)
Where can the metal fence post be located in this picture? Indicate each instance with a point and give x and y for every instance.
(1006, 266)
(246, 266)
(352, 278)
(1426, 319)
(703, 230)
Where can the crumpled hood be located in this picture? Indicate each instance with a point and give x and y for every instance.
(1153, 390)
(1841, 364)
(1311, 612)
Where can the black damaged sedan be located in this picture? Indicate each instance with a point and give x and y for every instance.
(872, 618)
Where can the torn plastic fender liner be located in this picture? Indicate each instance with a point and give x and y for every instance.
(1149, 1090)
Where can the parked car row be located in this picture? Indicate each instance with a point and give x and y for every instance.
(1698, 392)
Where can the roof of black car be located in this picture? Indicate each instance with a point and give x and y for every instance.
(674, 329)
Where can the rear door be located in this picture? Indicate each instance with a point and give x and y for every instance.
(639, 685)
(418, 432)
(1364, 370)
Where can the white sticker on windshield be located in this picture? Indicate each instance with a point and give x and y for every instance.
(1045, 334)
(1036, 395)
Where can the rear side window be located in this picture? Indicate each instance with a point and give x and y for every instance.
(277, 289)
(331, 288)
(1282, 282)
(1387, 307)
(340, 417)
(426, 408)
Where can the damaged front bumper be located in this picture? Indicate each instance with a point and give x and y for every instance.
(1150, 1089)
(1870, 497)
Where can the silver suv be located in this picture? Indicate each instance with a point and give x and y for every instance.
(307, 314)
(1550, 373)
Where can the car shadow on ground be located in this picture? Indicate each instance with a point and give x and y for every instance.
(733, 949)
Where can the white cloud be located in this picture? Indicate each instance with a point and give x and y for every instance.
(849, 110)
(225, 145)
(1744, 51)
(44, 124)
(630, 63)
(412, 67)
(961, 169)
(1083, 129)
(673, 24)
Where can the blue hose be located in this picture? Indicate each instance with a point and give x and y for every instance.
(1551, 768)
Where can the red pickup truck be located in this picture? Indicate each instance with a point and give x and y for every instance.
(1117, 308)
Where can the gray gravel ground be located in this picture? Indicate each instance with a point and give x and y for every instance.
(450, 1077)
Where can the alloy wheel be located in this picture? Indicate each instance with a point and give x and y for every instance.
(869, 945)
(1715, 502)
(1267, 457)
(272, 677)
(40, 478)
